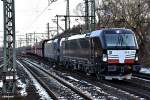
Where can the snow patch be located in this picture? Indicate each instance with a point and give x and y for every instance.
(23, 86)
(145, 70)
(1, 83)
(72, 78)
(40, 90)
(9, 77)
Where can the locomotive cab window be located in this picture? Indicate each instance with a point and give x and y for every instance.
(119, 39)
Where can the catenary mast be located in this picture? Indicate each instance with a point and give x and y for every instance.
(9, 52)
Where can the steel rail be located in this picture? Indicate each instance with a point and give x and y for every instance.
(76, 90)
(53, 96)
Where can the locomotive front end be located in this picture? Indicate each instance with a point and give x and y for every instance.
(120, 56)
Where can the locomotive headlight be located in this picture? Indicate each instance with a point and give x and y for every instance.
(104, 57)
(136, 58)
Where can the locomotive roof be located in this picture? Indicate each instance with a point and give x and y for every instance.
(77, 36)
(112, 30)
(50, 41)
(99, 33)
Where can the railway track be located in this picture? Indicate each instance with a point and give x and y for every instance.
(110, 87)
(59, 87)
(35, 76)
(126, 90)
(86, 88)
(78, 79)
(142, 75)
(136, 88)
(132, 87)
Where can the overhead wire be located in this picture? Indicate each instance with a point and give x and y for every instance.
(39, 15)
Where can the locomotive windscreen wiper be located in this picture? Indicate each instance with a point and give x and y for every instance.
(120, 40)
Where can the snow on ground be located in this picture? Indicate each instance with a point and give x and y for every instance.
(19, 84)
(23, 88)
(72, 78)
(96, 88)
(40, 90)
(145, 70)
(1, 83)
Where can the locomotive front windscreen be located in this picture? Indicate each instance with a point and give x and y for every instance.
(120, 40)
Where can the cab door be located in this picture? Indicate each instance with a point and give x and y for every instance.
(96, 54)
(96, 50)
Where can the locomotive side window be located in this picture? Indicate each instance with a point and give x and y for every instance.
(73, 44)
(66, 45)
(84, 43)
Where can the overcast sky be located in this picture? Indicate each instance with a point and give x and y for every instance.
(33, 15)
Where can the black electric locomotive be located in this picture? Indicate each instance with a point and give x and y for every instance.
(109, 53)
